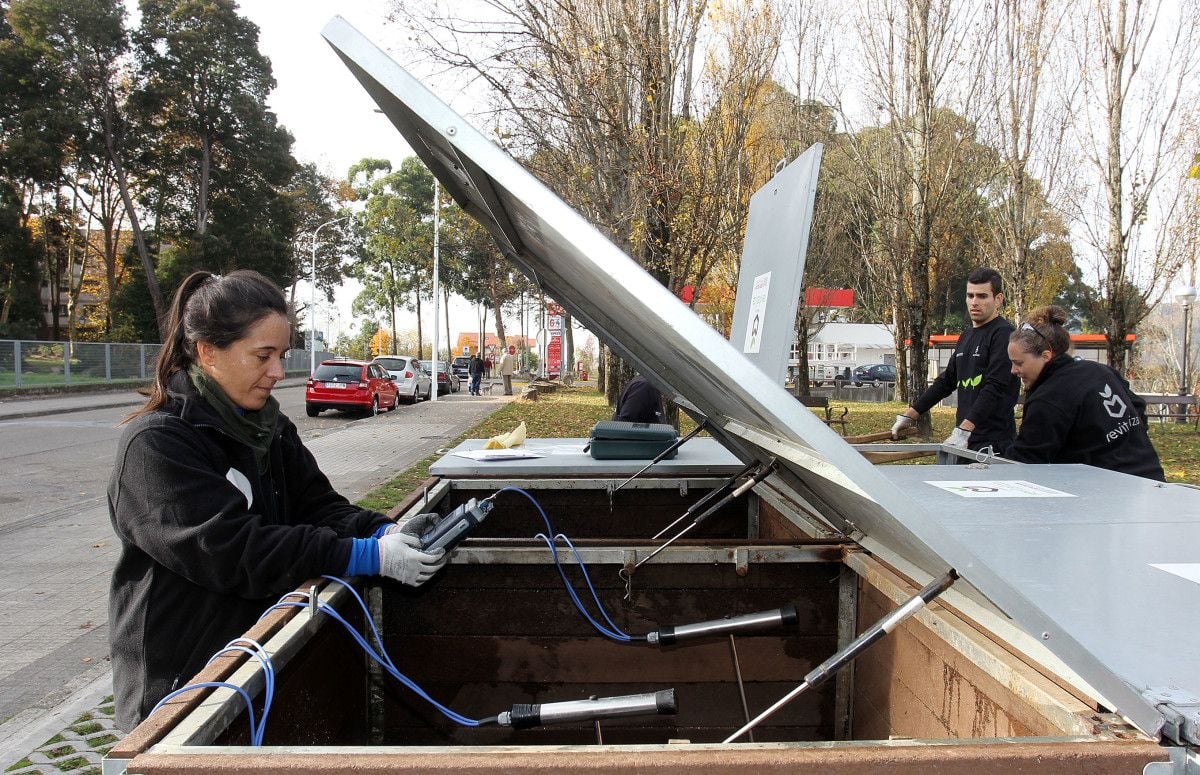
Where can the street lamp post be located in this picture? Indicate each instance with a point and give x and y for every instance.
(434, 359)
(312, 299)
(1186, 296)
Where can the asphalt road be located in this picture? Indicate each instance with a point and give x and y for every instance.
(56, 543)
(64, 461)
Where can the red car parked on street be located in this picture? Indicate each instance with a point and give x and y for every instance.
(352, 385)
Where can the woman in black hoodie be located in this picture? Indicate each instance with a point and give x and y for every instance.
(218, 505)
(1075, 411)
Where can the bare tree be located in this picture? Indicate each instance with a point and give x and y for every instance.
(1137, 63)
(1025, 122)
(635, 111)
(918, 55)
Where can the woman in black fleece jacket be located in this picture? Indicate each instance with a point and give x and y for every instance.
(218, 506)
(1075, 411)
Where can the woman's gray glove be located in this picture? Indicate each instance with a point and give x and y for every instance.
(959, 437)
(415, 526)
(401, 558)
(903, 421)
(421, 524)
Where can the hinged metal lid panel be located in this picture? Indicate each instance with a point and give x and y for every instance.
(750, 413)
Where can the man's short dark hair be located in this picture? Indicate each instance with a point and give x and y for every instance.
(986, 274)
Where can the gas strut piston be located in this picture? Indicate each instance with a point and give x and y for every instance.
(762, 473)
(881, 628)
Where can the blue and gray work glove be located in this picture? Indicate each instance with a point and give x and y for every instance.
(401, 558)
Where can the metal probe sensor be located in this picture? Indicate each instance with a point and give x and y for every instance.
(523, 716)
(760, 620)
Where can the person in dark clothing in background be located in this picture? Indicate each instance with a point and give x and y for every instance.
(639, 402)
(475, 369)
(979, 370)
(218, 506)
(1075, 411)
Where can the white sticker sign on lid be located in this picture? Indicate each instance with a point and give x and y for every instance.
(1184, 570)
(1000, 488)
(758, 313)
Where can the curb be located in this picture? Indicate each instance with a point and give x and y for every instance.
(45, 411)
(100, 404)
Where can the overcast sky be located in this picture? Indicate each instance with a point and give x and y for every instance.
(332, 118)
(316, 97)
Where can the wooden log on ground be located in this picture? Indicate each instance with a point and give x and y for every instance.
(867, 438)
(891, 457)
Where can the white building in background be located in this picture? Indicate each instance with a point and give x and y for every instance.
(838, 346)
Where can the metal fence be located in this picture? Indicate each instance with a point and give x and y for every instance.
(841, 391)
(27, 364)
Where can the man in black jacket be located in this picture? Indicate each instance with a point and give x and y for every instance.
(979, 370)
(475, 369)
(640, 402)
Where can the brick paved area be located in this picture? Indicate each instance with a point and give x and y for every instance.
(77, 750)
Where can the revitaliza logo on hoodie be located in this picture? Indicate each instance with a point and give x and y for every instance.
(1113, 404)
(970, 382)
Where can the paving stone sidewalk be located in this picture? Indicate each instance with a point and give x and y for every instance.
(77, 750)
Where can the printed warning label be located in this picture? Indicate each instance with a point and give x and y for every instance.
(1003, 488)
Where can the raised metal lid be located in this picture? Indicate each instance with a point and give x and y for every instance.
(752, 414)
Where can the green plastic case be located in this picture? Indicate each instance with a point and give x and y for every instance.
(618, 440)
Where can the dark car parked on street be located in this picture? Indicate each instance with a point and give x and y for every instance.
(447, 380)
(352, 385)
(462, 367)
(874, 374)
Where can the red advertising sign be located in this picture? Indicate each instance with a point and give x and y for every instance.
(828, 297)
(554, 353)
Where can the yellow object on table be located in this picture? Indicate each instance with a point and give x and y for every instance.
(514, 438)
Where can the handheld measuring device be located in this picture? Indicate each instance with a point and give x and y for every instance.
(449, 532)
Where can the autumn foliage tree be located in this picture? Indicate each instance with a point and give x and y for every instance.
(635, 112)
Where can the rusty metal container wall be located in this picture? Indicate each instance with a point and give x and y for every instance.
(487, 636)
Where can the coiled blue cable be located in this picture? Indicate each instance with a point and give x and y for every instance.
(214, 685)
(615, 633)
(381, 656)
(257, 651)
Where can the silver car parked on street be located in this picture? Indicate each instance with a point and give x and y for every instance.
(412, 382)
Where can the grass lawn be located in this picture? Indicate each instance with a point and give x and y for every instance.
(571, 413)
